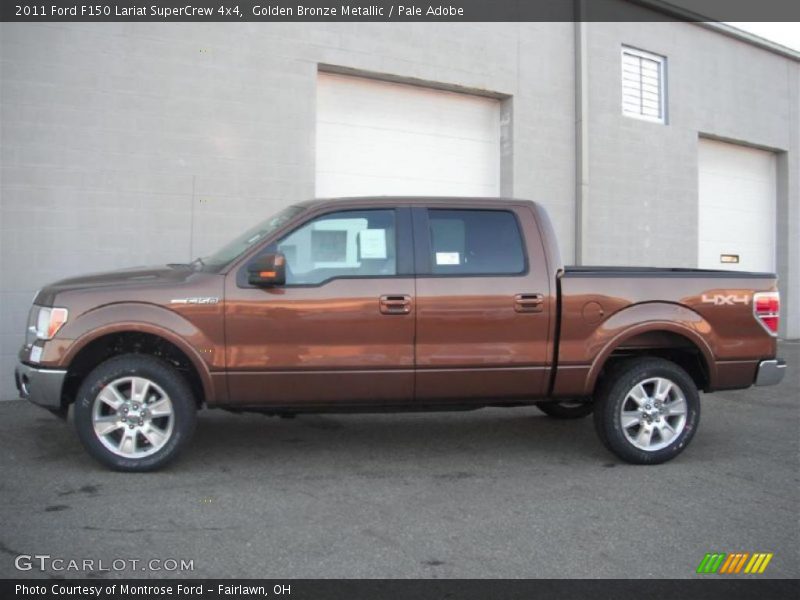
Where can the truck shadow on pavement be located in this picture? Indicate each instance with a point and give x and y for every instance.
(230, 440)
(502, 434)
(227, 441)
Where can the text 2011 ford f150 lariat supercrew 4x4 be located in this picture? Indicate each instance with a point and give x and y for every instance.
(395, 304)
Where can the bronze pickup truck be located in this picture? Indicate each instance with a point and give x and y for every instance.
(389, 304)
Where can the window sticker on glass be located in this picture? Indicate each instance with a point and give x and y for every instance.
(448, 258)
(372, 243)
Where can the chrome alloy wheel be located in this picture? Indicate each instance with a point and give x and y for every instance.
(133, 417)
(653, 414)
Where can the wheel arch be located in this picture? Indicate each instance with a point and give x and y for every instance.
(118, 338)
(667, 339)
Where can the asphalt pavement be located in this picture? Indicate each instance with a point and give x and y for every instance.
(492, 493)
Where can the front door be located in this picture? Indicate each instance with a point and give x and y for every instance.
(483, 304)
(341, 330)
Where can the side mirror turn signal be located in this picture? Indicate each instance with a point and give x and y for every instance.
(267, 270)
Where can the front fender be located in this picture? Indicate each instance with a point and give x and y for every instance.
(644, 318)
(205, 355)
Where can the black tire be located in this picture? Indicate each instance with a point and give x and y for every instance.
(182, 419)
(613, 394)
(566, 409)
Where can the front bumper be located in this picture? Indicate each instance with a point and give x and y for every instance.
(770, 372)
(40, 386)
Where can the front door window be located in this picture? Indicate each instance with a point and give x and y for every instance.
(347, 244)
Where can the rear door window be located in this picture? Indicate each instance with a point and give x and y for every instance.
(475, 242)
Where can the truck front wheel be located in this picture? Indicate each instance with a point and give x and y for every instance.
(134, 413)
(647, 410)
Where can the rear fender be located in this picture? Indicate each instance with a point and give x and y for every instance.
(649, 317)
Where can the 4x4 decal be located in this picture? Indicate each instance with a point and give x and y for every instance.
(722, 299)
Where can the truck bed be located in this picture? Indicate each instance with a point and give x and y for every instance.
(641, 308)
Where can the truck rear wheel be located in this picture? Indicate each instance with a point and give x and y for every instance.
(566, 409)
(134, 413)
(647, 410)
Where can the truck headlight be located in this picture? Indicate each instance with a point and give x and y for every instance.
(46, 323)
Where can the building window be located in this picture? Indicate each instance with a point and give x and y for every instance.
(644, 85)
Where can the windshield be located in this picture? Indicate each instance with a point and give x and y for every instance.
(249, 238)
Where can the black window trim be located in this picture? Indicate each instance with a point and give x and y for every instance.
(422, 239)
(404, 246)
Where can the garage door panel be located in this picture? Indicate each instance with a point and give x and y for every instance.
(334, 138)
(365, 185)
(734, 218)
(737, 194)
(444, 122)
(728, 159)
(737, 203)
(372, 161)
(382, 138)
(380, 105)
(751, 257)
(738, 231)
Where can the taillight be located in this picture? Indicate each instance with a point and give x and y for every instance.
(767, 309)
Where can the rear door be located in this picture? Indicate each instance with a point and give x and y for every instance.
(483, 303)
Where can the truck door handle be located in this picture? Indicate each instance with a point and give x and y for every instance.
(529, 302)
(395, 304)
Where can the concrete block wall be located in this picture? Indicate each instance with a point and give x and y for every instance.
(134, 143)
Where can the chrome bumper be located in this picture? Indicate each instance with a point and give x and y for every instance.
(770, 372)
(40, 386)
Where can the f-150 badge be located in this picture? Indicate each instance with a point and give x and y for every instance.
(196, 300)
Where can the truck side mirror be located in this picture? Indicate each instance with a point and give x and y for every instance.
(267, 270)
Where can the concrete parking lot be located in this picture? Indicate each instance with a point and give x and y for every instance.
(489, 493)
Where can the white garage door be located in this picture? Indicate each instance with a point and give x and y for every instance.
(737, 207)
(379, 138)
